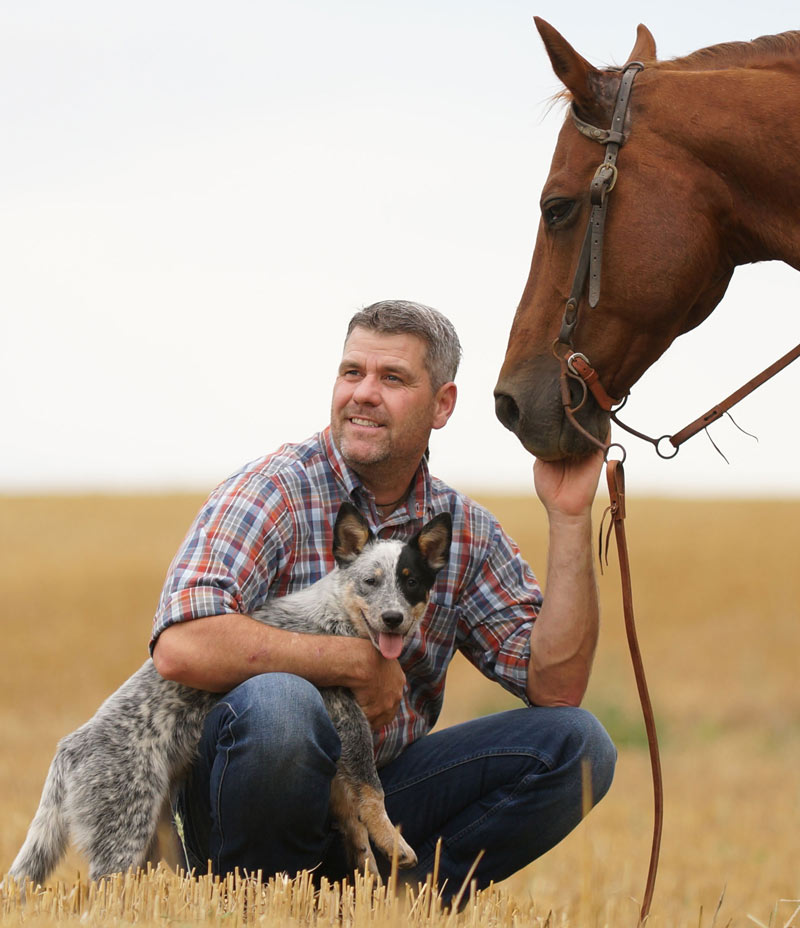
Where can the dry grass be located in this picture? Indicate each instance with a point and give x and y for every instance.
(717, 593)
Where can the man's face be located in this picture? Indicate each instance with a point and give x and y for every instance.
(383, 406)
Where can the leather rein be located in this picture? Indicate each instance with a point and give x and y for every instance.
(575, 366)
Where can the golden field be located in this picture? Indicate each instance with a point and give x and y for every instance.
(717, 592)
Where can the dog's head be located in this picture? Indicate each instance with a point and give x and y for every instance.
(388, 582)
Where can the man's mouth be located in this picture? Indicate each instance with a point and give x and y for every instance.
(365, 423)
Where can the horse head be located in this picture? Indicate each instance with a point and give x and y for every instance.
(665, 263)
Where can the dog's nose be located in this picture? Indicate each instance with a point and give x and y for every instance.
(392, 619)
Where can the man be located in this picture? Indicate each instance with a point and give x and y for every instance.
(510, 785)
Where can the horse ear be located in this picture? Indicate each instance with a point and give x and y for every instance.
(645, 46)
(572, 69)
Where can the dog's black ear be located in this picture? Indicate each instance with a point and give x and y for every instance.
(433, 540)
(351, 534)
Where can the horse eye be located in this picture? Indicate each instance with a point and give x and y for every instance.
(557, 211)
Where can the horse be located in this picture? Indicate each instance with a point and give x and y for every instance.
(701, 155)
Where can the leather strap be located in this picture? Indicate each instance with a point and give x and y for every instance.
(579, 363)
(729, 402)
(615, 476)
(701, 422)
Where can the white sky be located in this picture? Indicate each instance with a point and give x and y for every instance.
(196, 196)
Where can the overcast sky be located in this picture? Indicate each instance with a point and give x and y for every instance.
(196, 197)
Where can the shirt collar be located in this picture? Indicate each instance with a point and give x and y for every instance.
(419, 501)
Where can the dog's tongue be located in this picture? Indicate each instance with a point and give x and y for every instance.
(390, 645)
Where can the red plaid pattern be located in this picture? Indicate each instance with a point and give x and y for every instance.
(268, 530)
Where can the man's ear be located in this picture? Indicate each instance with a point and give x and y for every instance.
(445, 400)
(351, 534)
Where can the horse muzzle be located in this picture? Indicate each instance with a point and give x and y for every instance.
(528, 402)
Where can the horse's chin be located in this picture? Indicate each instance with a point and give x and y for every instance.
(557, 444)
(531, 408)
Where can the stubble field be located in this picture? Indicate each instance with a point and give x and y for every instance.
(717, 591)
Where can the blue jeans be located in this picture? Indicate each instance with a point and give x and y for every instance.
(509, 784)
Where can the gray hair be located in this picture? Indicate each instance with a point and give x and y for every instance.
(398, 317)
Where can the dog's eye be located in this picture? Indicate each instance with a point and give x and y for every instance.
(370, 581)
(411, 582)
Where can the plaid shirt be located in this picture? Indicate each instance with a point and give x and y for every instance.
(268, 530)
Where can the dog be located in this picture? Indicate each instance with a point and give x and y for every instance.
(111, 778)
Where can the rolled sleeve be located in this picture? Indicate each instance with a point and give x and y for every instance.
(229, 557)
(498, 610)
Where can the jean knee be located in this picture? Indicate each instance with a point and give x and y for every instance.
(283, 719)
(596, 750)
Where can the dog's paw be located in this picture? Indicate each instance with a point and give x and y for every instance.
(406, 858)
(365, 860)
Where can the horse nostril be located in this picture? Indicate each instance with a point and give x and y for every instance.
(507, 411)
(392, 619)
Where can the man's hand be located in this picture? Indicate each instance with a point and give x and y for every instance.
(568, 487)
(377, 685)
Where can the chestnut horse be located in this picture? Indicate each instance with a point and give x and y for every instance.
(707, 179)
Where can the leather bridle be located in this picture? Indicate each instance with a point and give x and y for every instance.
(576, 366)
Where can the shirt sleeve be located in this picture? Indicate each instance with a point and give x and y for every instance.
(497, 609)
(237, 544)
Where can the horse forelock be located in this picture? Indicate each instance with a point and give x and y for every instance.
(759, 52)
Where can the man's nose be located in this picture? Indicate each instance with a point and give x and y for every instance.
(366, 391)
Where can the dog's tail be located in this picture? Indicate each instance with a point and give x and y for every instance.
(47, 836)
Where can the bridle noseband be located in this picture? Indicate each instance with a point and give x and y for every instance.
(574, 364)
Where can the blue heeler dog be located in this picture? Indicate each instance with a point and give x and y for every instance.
(110, 779)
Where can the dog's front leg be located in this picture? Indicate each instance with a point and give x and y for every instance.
(345, 809)
(359, 783)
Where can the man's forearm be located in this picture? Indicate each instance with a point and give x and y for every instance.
(564, 636)
(219, 652)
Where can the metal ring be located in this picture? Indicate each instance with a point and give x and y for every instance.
(615, 444)
(577, 354)
(660, 453)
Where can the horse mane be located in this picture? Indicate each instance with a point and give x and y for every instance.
(759, 52)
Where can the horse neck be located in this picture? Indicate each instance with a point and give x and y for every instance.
(743, 124)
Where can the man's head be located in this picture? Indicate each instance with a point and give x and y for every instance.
(393, 386)
(398, 317)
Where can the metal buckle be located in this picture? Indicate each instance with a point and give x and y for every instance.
(607, 166)
(577, 354)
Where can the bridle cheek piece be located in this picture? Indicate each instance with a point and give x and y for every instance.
(574, 364)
